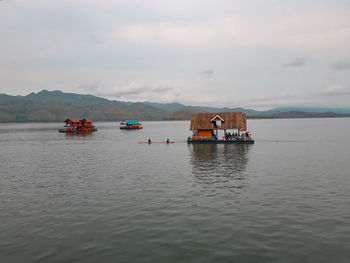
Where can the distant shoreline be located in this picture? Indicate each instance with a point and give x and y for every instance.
(56, 106)
(249, 118)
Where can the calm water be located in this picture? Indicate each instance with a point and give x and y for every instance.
(106, 198)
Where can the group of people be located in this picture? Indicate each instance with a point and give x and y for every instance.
(237, 136)
(150, 141)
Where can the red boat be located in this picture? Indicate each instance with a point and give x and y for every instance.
(77, 125)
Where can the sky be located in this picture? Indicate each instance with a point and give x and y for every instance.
(256, 54)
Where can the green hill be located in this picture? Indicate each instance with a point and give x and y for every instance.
(53, 106)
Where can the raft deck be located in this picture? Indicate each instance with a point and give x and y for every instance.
(221, 141)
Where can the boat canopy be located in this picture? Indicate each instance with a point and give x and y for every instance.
(131, 122)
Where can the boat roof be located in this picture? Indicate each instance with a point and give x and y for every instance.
(230, 120)
(131, 122)
(78, 120)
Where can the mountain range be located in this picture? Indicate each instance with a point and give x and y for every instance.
(53, 106)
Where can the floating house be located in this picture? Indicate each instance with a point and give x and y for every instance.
(130, 125)
(78, 125)
(224, 127)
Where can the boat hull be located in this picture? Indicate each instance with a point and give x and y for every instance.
(130, 128)
(220, 141)
(76, 131)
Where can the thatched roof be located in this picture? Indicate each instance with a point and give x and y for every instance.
(232, 120)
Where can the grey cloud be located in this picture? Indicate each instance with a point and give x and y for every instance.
(297, 63)
(136, 91)
(131, 91)
(274, 98)
(282, 101)
(339, 91)
(208, 73)
(89, 87)
(341, 65)
(160, 89)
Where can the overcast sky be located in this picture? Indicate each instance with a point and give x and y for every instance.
(258, 54)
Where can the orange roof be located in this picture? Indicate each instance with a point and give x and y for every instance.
(78, 120)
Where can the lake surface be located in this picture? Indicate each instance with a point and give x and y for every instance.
(106, 198)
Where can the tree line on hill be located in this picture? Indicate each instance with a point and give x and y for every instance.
(56, 106)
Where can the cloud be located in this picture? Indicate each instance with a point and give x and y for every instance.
(336, 91)
(133, 89)
(126, 92)
(297, 63)
(291, 30)
(342, 65)
(160, 89)
(208, 73)
(89, 87)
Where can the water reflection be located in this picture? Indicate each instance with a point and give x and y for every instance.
(220, 166)
(77, 135)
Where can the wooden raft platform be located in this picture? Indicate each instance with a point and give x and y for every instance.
(221, 141)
